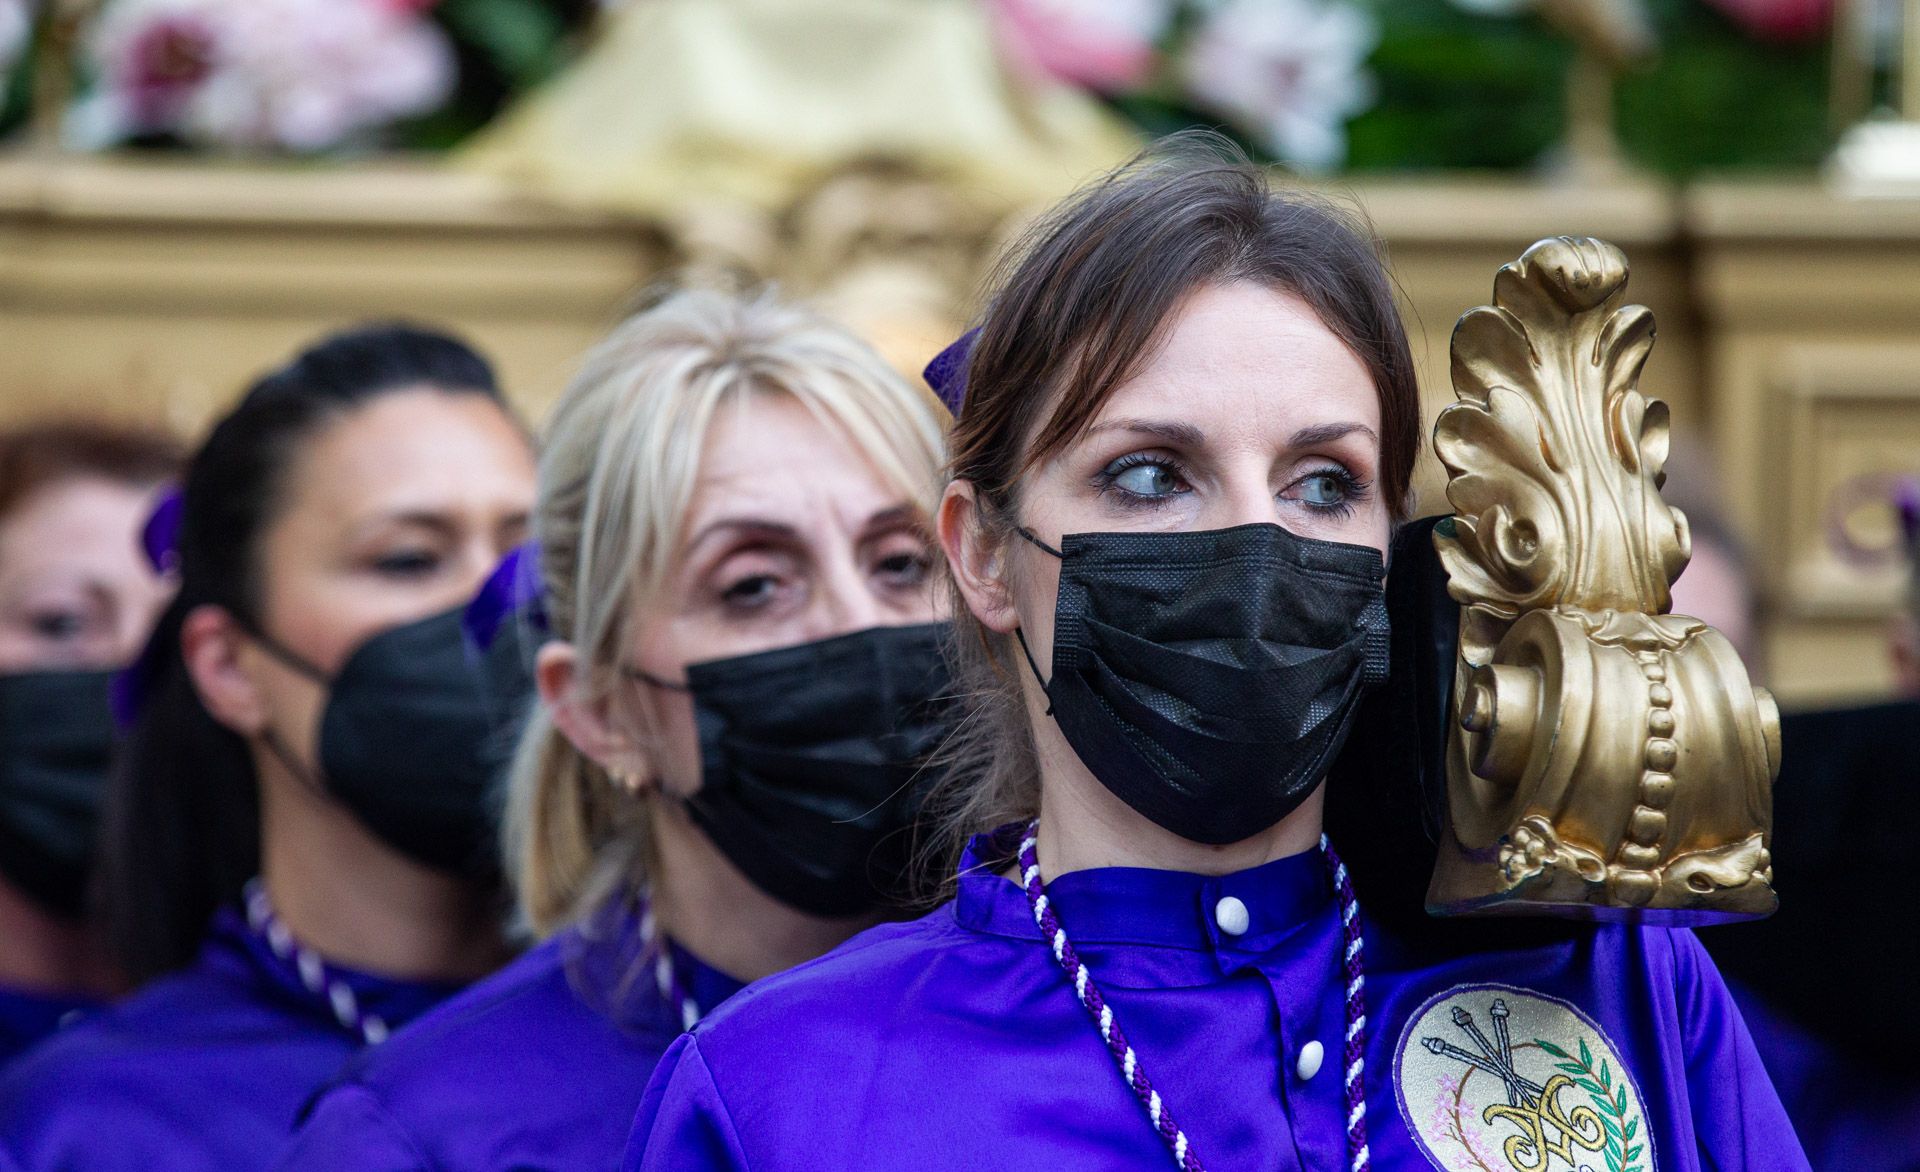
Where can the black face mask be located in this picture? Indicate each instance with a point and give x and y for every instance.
(56, 743)
(811, 762)
(416, 735)
(1208, 679)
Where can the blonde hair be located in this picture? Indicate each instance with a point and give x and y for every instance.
(617, 476)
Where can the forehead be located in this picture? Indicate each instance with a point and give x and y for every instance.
(77, 523)
(433, 444)
(767, 453)
(1244, 356)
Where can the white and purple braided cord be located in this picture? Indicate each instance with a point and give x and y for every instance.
(319, 980)
(1129, 1063)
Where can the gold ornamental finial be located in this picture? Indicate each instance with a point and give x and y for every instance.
(1607, 759)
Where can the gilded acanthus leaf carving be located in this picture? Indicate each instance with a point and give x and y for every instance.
(1556, 458)
(1607, 759)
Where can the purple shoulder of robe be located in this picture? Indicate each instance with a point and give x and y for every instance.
(205, 1068)
(955, 1042)
(1847, 1116)
(539, 1066)
(28, 1016)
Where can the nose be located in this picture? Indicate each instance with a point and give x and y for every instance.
(846, 601)
(1244, 498)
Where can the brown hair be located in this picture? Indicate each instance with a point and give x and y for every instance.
(1079, 308)
(37, 455)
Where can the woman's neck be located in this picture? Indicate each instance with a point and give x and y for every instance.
(47, 954)
(705, 905)
(359, 903)
(1083, 826)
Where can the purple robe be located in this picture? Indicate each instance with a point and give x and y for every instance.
(27, 1016)
(205, 1068)
(955, 1042)
(536, 1067)
(1848, 1116)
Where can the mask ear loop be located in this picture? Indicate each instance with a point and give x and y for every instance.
(648, 678)
(1021, 635)
(301, 665)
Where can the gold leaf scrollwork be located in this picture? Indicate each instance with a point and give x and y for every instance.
(1607, 759)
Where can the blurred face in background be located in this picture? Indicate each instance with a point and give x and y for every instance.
(393, 513)
(76, 589)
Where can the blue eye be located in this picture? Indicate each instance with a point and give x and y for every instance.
(1142, 477)
(1328, 490)
(1324, 489)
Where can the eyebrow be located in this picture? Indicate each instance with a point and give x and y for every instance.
(422, 518)
(892, 517)
(1173, 431)
(1326, 433)
(758, 525)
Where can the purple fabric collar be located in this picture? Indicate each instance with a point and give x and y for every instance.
(1136, 905)
(614, 973)
(396, 1002)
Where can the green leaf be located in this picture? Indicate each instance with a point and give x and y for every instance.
(1549, 1047)
(1613, 1129)
(1620, 1097)
(1573, 1068)
(1586, 1055)
(1587, 1085)
(1606, 1079)
(1633, 1125)
(1613, 1161)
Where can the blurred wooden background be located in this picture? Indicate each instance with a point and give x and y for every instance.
(1789, 319)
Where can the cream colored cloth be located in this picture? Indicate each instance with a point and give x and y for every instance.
(679, 102)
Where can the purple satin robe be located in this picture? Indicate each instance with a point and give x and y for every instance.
(537, 1067)
(27, 1017)
(205, 1068)
(955, 1042)
(1847, 1116)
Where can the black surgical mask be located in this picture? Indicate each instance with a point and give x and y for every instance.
(417, 732)
(811, 762)
(1208, 679)
(56, 742)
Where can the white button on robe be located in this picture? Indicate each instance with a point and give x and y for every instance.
(1311, 1056)
(1232, 916)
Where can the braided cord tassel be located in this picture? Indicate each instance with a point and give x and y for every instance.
(1097, 1008)
(1354, 970)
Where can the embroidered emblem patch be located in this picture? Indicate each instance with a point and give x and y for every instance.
(1497, 1079)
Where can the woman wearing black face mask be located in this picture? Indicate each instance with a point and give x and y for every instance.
(296, 879)
(742, 685)
(77, 597)
(1189, 424)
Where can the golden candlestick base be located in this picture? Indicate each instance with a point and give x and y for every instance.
(1607, 759)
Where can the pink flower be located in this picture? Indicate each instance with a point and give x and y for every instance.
(1779, 20)
(1289, 72)
(164, 64)
(1105, 45)
(302, 75)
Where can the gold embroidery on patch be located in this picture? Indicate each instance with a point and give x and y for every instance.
(1493, 1078)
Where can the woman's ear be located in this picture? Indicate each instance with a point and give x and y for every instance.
(977, 558)
(588, 725)
(210, 645)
